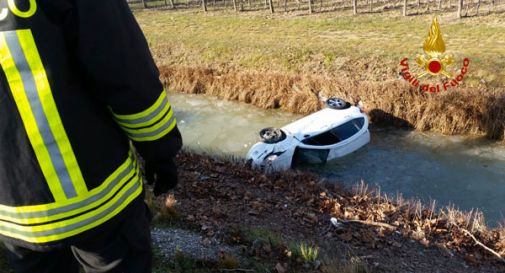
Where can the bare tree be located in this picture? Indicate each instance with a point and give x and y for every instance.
(460, 8)
(354, 7)
(144, 3)
(310, 7)
(271, 4)
(404, 7)
(204, 5)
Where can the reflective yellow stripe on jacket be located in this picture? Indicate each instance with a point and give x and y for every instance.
(151, 124)
(76, 209)
(51, 222)
(27, 79)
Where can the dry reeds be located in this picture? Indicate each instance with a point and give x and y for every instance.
(446, 227)
(392, 102)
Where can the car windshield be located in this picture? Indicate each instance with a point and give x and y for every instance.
(336, 134)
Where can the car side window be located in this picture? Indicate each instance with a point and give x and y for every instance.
(309, 156)
(337, 134)
(348, 129)
(359, 123)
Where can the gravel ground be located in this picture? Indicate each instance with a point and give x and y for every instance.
(190, 243)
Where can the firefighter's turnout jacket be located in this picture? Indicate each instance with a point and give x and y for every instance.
(78, 90)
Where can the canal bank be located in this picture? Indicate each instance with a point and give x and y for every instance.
(271, 216)
(465, 172)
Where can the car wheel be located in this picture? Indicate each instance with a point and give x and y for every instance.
(272, 135)
(337, 103)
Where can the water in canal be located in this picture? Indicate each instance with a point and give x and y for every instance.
(469, 173)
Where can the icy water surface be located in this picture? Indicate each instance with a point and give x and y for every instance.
(469, 173)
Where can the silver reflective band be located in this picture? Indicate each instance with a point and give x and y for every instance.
(146, 118)
(83, 223)
(27, 215)
(153, 133)
(3, 14)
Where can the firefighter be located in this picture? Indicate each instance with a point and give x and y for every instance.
(80, 98)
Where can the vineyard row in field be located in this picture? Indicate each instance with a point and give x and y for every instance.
(464, 8)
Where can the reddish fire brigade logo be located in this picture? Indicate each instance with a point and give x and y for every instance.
(434, 63)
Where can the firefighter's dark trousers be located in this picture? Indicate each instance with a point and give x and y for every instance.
(126, 251)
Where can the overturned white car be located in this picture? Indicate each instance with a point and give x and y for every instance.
(333, 132)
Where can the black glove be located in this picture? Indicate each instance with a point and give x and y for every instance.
(163, 174)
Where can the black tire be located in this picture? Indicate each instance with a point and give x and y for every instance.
(337, 103)
(272, 135)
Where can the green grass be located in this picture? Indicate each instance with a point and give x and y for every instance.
(275, 240)
(319, 43)
(309, 253)
(150, 4)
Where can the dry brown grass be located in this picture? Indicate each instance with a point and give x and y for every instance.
(444, 227)
(291, 61)
(395, 210)
(464, 111)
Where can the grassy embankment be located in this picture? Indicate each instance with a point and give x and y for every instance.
(291, 61)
